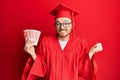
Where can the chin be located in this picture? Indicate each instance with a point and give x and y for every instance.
(63, 35)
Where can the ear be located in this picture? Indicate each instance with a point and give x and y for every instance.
(73, 24)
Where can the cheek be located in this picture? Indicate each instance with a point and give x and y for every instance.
(57, 29)
(70, 28)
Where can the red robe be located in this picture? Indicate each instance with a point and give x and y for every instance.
(53, 63)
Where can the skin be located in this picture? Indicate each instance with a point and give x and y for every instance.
(63, 34)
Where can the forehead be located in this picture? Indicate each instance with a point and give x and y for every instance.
(63, 19)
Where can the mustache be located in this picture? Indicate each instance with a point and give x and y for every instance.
(62, 29)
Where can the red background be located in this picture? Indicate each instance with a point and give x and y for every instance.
(99, 21)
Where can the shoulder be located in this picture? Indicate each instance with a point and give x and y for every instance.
(84, 44)
(48, 39)
(52, 37)
(80, 39)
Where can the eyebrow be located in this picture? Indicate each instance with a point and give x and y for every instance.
(57, 21)
(66, 21)
(63, 21)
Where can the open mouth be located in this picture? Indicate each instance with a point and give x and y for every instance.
(63, 30)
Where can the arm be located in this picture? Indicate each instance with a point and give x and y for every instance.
(37, 68)
(29, 48)
(86, 69)
(87, 66)
(94, 49)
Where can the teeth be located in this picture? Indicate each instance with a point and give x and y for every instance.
(62, 31)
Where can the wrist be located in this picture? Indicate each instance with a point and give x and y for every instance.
(33, 55)
(91, 54)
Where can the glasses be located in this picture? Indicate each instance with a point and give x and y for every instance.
(57, 24)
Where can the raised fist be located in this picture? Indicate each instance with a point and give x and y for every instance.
(96, 48)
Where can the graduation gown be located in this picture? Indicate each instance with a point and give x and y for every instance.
(53, 63)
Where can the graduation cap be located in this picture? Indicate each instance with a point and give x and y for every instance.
(64, 11)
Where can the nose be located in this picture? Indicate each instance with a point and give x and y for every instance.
(61, 26)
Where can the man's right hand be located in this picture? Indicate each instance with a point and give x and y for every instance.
(29, 48)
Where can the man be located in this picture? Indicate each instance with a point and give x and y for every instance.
(63, 56)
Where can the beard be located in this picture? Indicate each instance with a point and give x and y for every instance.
(62, 33)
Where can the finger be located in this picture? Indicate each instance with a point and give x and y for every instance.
(25, 49)
(29, 42)
(96, 45)
(28, 45)
(100, 46)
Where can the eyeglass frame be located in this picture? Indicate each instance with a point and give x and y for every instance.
(63, 24)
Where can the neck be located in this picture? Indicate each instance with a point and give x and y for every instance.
(64, 38)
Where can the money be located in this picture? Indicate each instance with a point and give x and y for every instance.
(32, 35)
